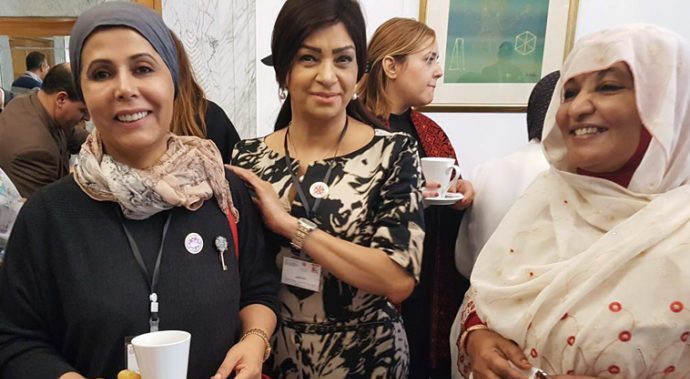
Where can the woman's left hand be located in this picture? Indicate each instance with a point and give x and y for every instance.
(276, 218)
(464, 187)
(245, 359)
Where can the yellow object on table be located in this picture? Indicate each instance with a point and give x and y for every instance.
(126, 374)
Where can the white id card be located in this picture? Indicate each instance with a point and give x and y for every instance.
(130, 358)
(302, 274)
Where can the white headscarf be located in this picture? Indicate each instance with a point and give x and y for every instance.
(589, 277)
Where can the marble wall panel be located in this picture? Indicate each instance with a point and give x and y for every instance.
(220, 39)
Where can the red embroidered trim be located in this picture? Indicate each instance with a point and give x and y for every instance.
(433, 139)
(473, 320)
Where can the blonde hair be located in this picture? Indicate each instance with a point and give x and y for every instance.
(397, 38)
(189, 111)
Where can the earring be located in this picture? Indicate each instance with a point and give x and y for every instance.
(354, 96)
(282, 93)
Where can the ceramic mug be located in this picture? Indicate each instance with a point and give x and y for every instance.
(441, 170)
(163, 354)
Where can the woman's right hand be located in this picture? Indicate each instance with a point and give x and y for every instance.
(275, 216)
(489, 353)
(244, 358)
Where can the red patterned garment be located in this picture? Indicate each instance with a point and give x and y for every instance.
(432, 138)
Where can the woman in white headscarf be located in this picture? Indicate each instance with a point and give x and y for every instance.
(588, 274)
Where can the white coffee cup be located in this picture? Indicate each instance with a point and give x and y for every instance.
(163, 354)
(441, 170)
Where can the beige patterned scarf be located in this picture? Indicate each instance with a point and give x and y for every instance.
(190, 172)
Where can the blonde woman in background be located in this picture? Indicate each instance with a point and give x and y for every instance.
(403, 71)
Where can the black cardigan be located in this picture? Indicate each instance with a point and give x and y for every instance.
(71, 290)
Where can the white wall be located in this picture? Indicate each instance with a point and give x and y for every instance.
(476, 136)
(596, 14)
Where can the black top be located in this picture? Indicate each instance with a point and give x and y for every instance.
(403, 123)
(220, 130)
(71, 290)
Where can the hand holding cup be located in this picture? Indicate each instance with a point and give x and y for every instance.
(442, 173)
(163, 354)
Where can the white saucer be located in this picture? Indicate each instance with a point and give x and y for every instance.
(451, 198)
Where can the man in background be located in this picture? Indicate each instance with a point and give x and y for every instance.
(38, 132)
(36, 69)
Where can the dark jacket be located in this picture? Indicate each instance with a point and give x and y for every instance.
(27, 82)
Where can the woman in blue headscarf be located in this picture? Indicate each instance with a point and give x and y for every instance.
(143, 237)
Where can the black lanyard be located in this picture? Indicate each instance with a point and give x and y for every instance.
(152, 281)
(295, 180)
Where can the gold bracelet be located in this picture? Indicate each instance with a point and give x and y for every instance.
(463, 337)
(261, 334)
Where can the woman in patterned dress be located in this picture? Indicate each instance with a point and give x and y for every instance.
(588, 273)
(343, 199)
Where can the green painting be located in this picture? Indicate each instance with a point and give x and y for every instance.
(495, 41)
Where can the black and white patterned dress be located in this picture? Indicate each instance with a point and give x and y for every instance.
(373, 200)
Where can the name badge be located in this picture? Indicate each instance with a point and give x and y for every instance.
(130, 358)
(302, 274)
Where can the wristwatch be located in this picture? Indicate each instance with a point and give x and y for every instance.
(304, 227)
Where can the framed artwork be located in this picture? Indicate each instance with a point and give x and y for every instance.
(493, 51)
